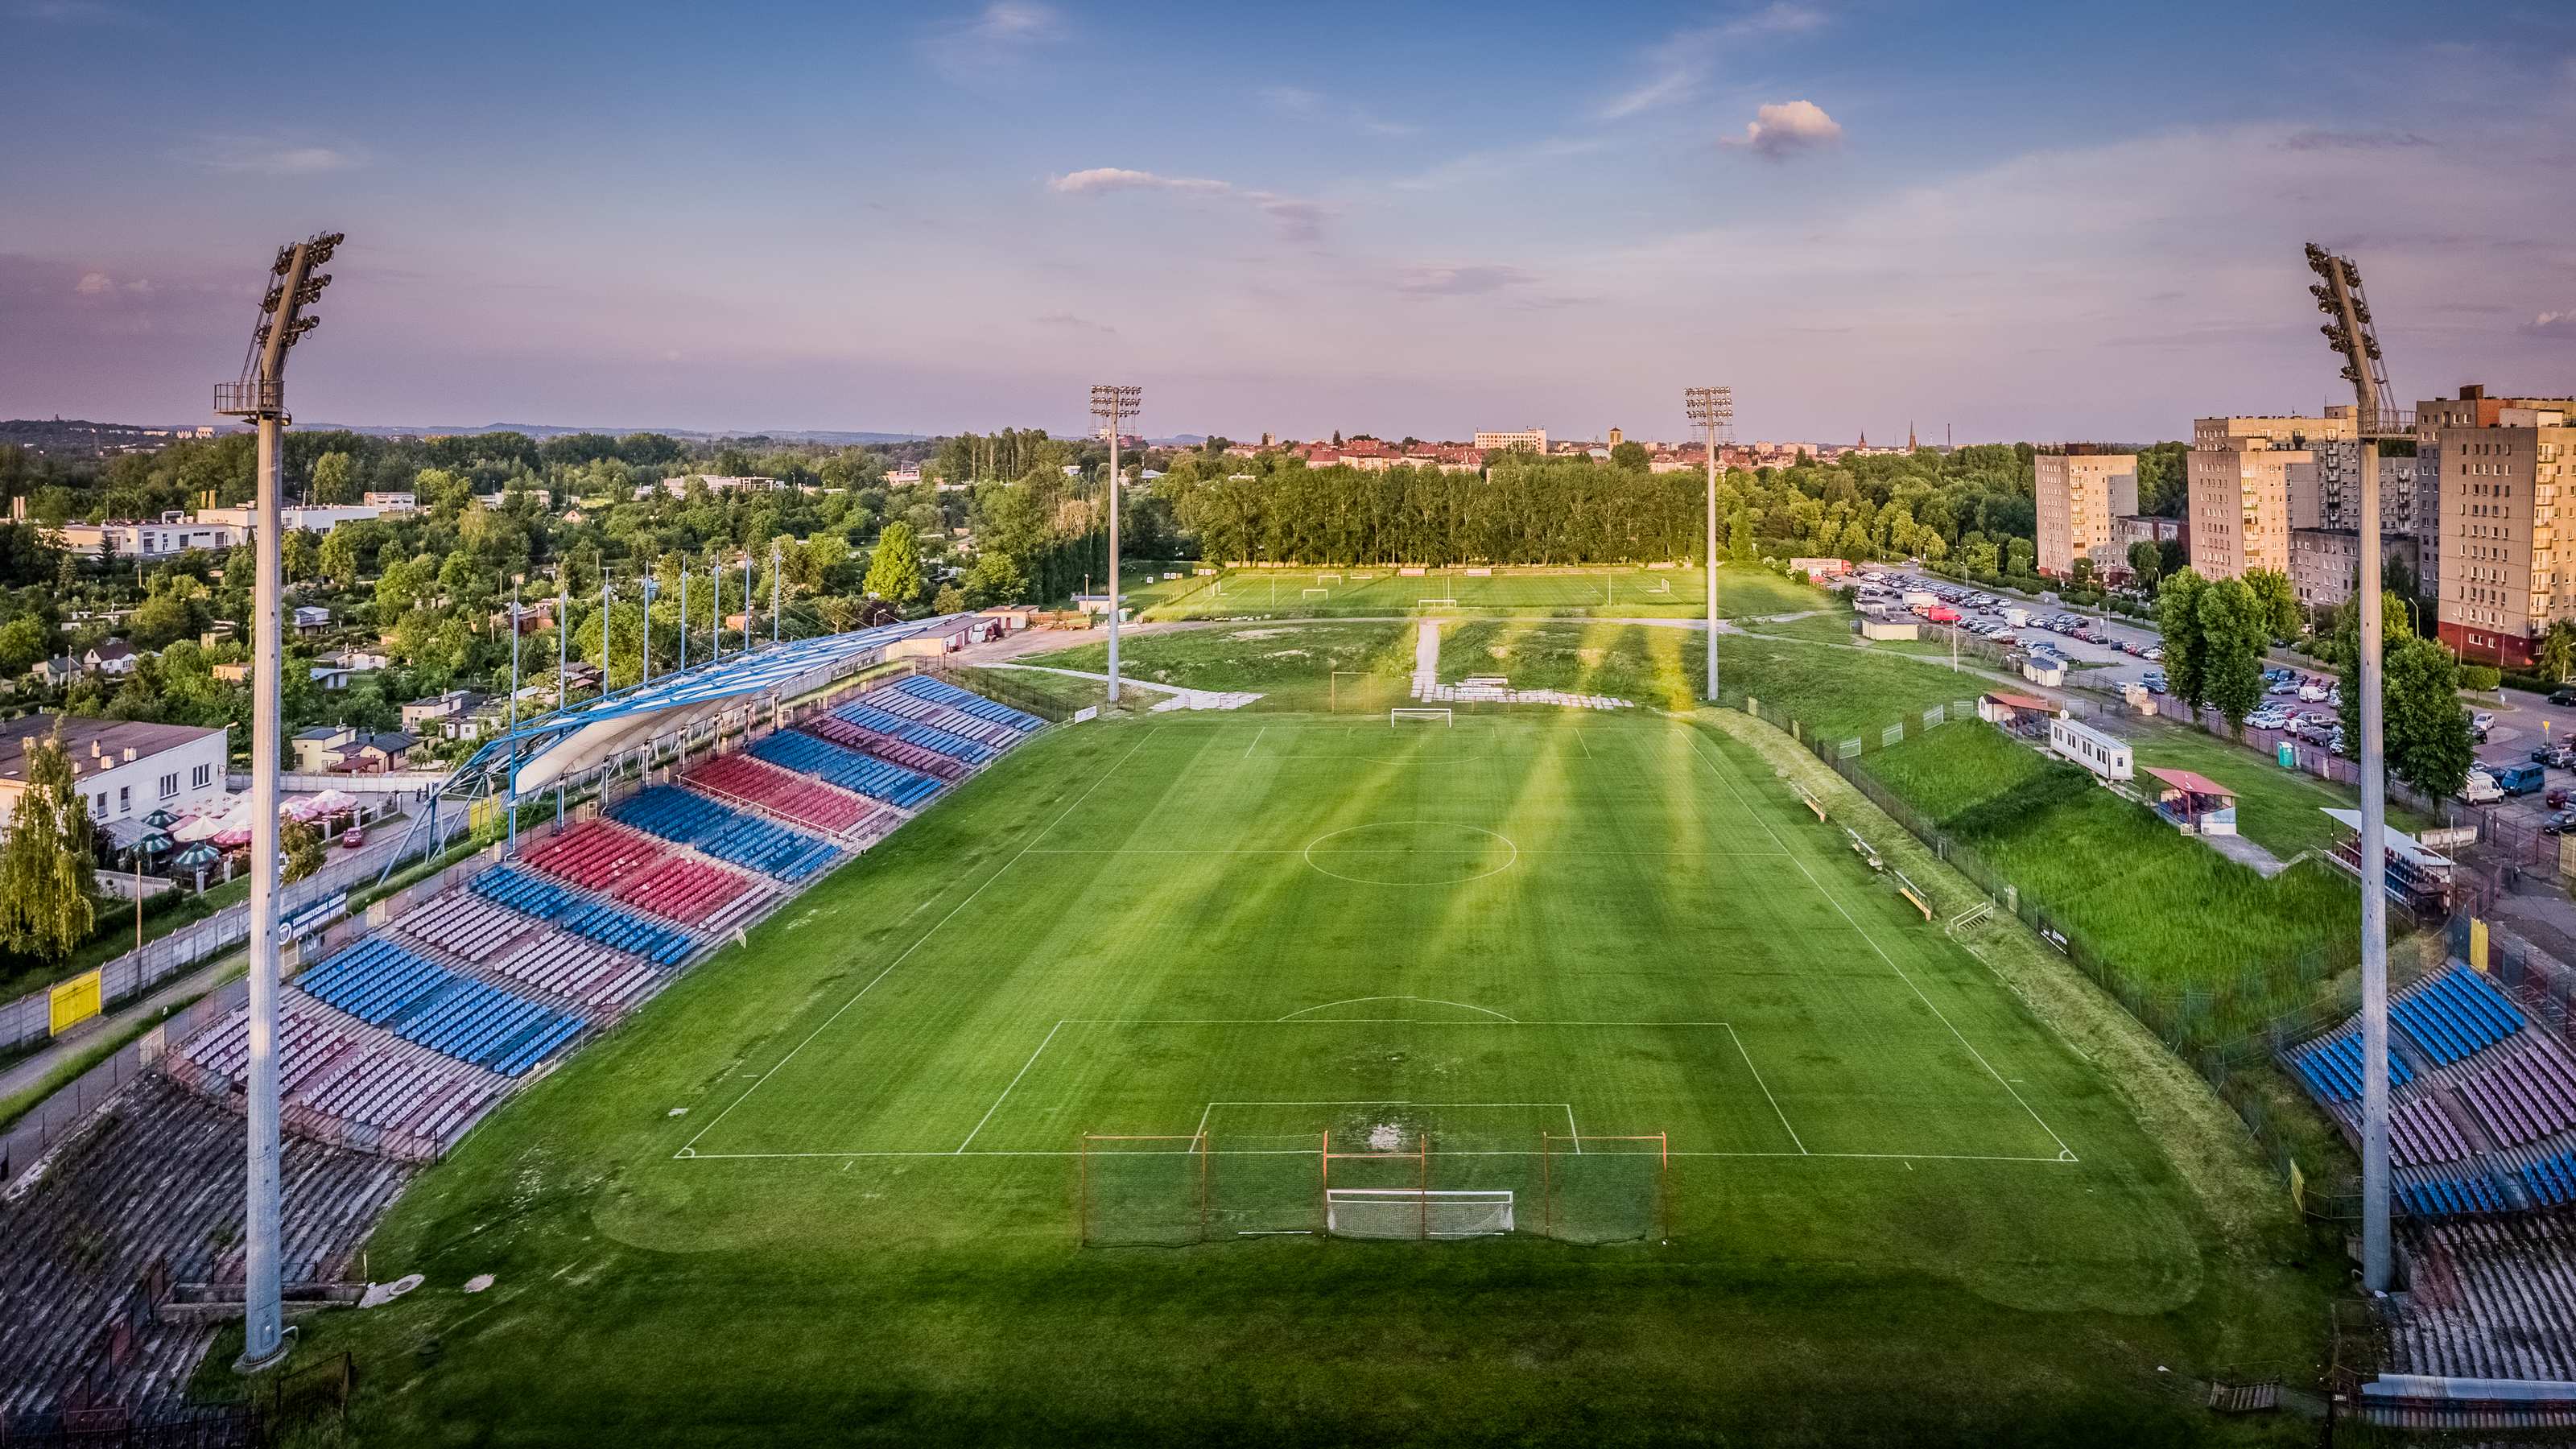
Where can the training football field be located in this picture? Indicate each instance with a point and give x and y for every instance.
(1017, 1128)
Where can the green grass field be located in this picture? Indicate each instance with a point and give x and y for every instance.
(2281, 810)
(1606, 592)
(828, 1187)
(2173, 914)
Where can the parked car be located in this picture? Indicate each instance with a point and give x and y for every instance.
(2481, 789)
(2559, 823)
(353, 837)
(2480, 721)
(2520, 779)
(2563, 697)
(2312, 692)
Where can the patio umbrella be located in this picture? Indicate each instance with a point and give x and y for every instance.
(155, 845)
(198, 857)
(160, 819)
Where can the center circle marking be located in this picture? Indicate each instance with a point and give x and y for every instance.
(1406, 863)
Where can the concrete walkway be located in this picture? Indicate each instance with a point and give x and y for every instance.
(1179, 698)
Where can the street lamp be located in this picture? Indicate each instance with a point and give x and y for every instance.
(1712, 408)
(1113, 403)
(260, 395)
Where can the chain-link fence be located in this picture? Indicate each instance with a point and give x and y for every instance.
(2227, 1031)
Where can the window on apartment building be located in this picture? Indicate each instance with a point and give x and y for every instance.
(101, 807)
(170, 785)
(124, 798)
(200, 777)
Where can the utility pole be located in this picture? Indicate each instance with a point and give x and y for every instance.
(715, 583)
(773, 591)
(684, 613)
(260, 395)
(510, 611)
(2339, 296)
(1712, 408)
(746, 603)
(1113, 403)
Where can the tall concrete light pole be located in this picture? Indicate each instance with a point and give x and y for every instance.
(2339, 296)
(1712, 408)
(1113, 403)
(260, 395)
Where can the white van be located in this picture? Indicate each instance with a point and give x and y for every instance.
(2481, 789)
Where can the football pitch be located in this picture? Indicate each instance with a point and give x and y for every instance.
(1369, 592)
(1473, 934)
(1017, 1129)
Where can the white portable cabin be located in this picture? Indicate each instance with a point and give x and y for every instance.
(2105, 755)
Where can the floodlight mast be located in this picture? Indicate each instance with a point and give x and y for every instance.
(2339, 296)
(1712, 408)
(259, 394)
(1113, 403)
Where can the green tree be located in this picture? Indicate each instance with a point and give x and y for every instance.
(2557, 650)
(2231, 644)
(344, 554)
(2424, 729)
(995, 578)
(46, 869)
(335, 480)
(2277, 611)
(2178, 617)
(894, 568)
(1631, 456)
(303, 846)
(23, 641)
(2021, 556)
(1739, 537)
(2147, 562)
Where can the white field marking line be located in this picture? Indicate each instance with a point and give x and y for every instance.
(1700, 746)
(1210, 1110)
(1354, 1020)
(1015, 1081)
(1256, 741)
(1587, 749)
(950, 1154)
(1448, 850)
(690, 1146)
(1738, 1039)
(1427, 1000)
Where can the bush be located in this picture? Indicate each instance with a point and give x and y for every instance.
(2480, 676)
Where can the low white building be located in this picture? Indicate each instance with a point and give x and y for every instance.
(2105, 755)
(126, 769)
(404, 501)
(303, 519)
(174, 534)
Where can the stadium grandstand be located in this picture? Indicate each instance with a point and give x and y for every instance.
(623, 840)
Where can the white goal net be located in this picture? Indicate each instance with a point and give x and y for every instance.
(1418, 716)
(1412, 1212)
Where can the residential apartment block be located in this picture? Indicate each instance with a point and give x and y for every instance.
(126, 769)
(2237, 478)
(2507, 570)
(2080, 492)
(2325, 563)
(1528, 440)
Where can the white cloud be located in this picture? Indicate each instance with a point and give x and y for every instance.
(1299, 101)
(1677, 68)
(1016, 22)
(1119, 178)
(1783, 129)
(264, 156)
(94, 284)
(1297, 220)
(993, 40)
(2558, 323)
(1461, 280)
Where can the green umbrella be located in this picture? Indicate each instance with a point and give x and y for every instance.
(160, 819)
(155, 844)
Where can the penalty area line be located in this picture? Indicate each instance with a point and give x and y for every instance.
(998, 873)
(952, 1154)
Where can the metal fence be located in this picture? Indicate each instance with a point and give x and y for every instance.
(62, 1114)
(2207, 1027)
(29, 1019)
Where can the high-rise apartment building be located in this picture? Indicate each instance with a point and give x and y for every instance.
(2080, 492)
(1527, 440)
(2507, 570)
(2237, 480)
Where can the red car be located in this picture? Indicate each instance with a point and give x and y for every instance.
(353, 837)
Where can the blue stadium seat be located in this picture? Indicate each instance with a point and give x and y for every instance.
(847, 768)
(723, 832)
(421, 1001)
(531, 893)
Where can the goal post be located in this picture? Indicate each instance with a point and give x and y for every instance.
(1417, 1212)
(1442, 717)
(1422, 604)
(1606, 1189)
(1141, 1190)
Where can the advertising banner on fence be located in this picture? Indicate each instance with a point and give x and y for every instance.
(74, 1001)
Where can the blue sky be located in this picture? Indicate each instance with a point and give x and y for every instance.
(2021, 220)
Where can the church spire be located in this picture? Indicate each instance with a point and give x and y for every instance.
(1909, 437)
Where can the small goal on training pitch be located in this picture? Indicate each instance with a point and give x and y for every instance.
(1416, 1212)
(1420, 716)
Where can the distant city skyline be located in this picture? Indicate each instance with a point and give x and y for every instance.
(2032, 222)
